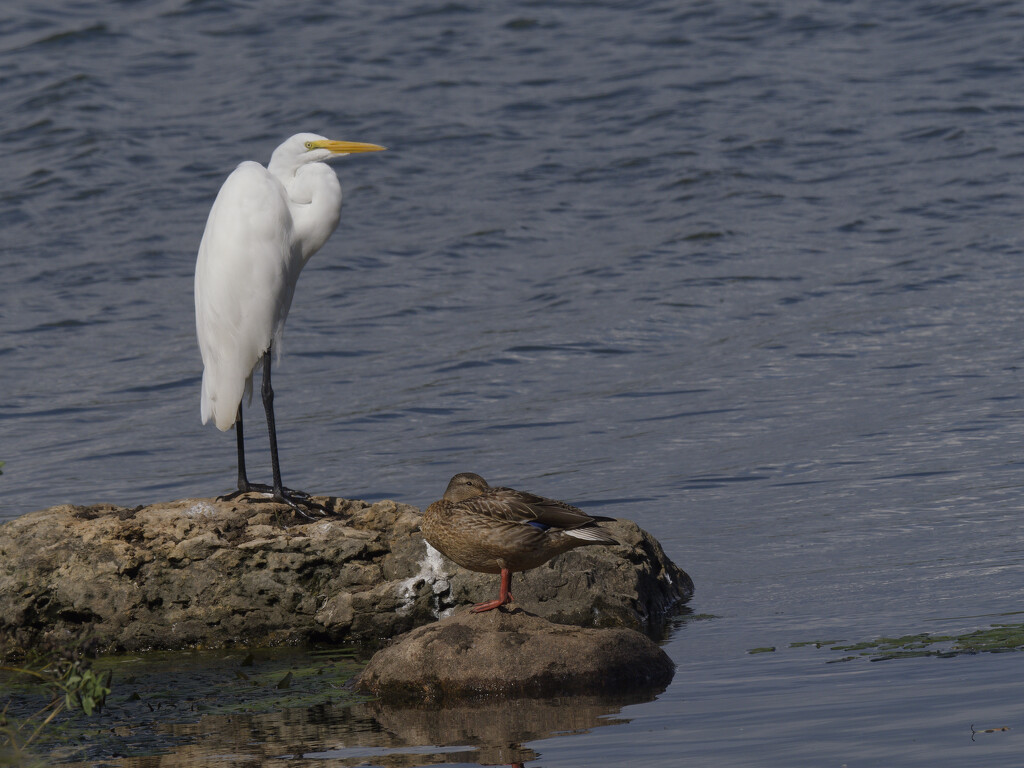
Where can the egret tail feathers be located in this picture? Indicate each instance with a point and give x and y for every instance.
(221, 402)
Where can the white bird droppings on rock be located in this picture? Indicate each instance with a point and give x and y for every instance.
(432, 571)
(201, 509)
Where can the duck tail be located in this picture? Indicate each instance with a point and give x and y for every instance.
(592, 535)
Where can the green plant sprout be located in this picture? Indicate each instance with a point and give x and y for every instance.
(73, 685)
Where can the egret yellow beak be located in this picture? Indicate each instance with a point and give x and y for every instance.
(347, 147)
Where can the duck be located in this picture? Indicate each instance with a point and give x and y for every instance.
(502, 530)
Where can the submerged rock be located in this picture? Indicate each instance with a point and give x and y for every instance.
(512, 653)
(202, 572)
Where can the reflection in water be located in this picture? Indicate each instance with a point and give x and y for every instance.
(488, 732)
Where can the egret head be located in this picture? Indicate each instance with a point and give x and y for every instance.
(305, 148)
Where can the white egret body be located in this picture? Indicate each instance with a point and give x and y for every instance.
(263, 227)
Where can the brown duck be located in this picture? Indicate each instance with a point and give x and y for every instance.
(501, 530)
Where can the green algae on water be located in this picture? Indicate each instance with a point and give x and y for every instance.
(998, 638)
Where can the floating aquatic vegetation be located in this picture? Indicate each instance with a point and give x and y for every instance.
(60, 679)
(160, 697)
(997, 638)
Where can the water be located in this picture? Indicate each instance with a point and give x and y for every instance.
(748, 273)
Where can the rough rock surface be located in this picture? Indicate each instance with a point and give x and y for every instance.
(512, 653)
(201, 572)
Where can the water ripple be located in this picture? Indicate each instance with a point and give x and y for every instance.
(760, 261)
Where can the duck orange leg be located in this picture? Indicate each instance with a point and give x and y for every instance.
(504, 597)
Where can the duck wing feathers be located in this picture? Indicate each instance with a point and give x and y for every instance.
(512, 506)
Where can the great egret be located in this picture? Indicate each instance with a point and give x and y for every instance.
(501, 530)
(263, 227)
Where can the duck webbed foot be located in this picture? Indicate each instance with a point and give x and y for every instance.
(490, 605)
(504, 597)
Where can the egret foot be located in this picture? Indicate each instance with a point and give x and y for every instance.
(294, 499)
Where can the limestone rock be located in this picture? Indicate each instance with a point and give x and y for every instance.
(202, 572)
(511, 654)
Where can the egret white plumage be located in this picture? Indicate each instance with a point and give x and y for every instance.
(263, 227)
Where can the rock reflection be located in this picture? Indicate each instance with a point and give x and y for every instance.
(489, 732)
(497, 730)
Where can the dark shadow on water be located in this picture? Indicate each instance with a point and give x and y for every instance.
(371, 733)
(483, 733)
(228, 708)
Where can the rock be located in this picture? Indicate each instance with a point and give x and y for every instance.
(511, 654)
(201, 572)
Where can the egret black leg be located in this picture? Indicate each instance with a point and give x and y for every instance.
(268, 405)
(243, 481)
(244, 486)
(292, 498)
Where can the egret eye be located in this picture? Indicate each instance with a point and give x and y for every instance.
(309, 145)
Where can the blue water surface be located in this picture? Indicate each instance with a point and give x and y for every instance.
(749, 273)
